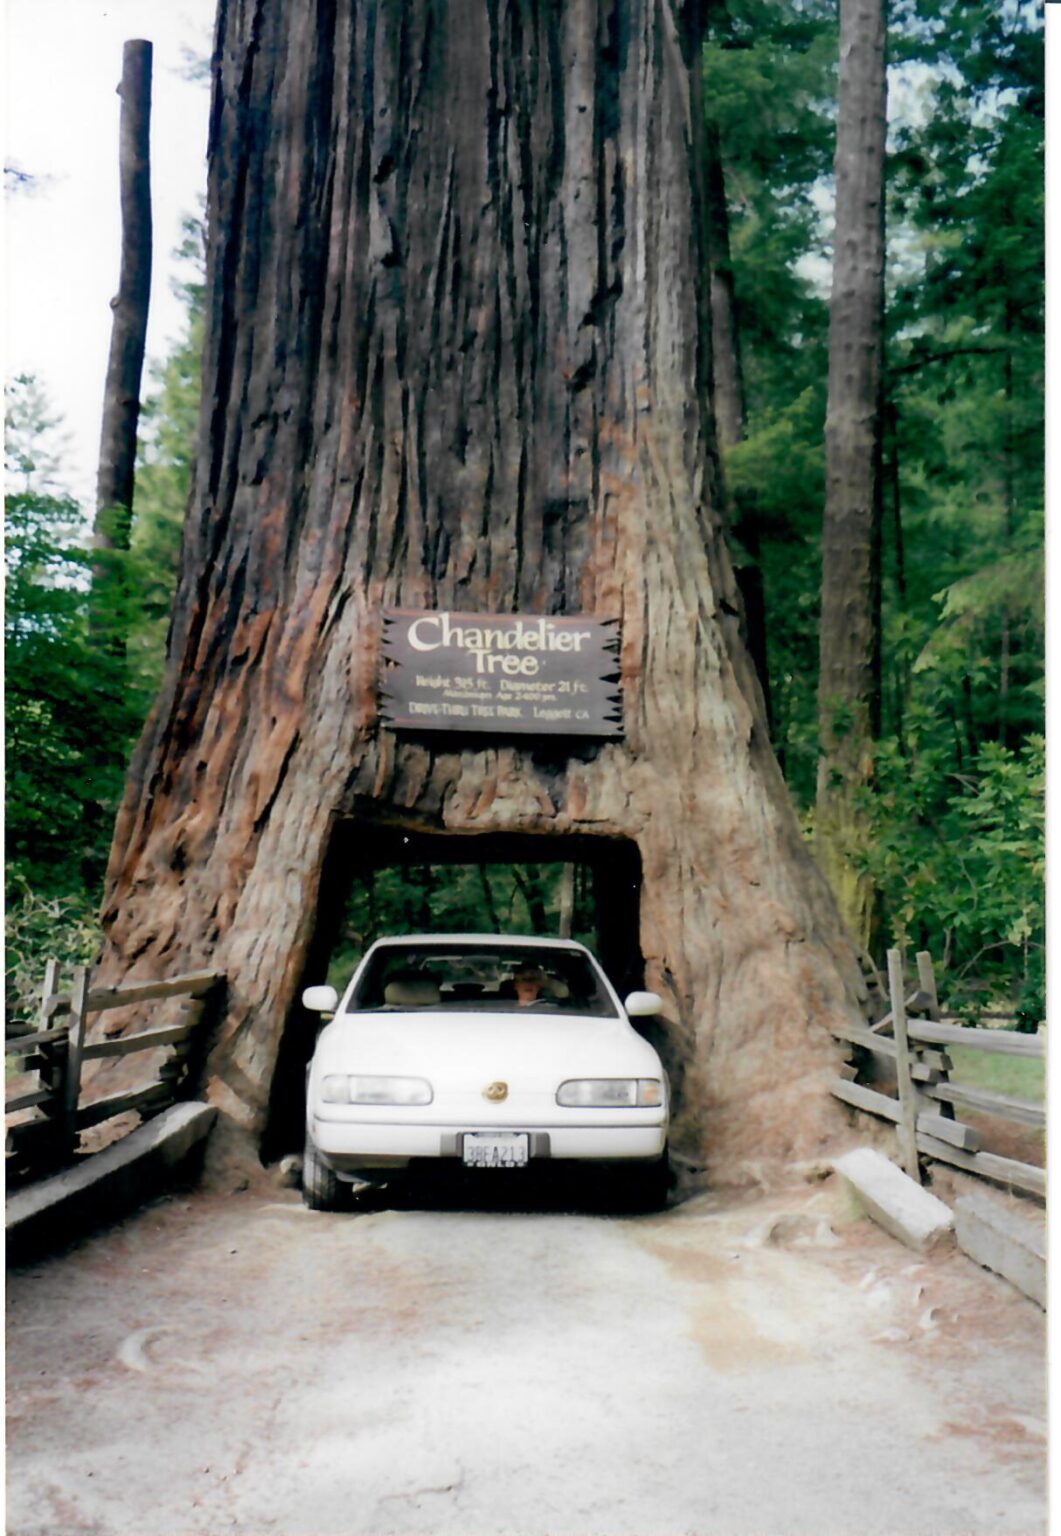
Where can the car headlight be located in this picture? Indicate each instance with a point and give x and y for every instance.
(338, 1088)
(611, 1093)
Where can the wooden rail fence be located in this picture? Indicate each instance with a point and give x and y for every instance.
(58, 1048)
(923, 1108)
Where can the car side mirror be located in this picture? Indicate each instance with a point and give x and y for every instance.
(643, 1005)
(320, 999)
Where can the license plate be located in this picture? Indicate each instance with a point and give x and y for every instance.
(496, 1149)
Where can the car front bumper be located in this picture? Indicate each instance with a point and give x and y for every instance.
(358, 1146)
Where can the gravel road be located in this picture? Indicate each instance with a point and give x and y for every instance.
(765, 1368)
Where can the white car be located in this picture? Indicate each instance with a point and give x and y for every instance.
(494, 1053)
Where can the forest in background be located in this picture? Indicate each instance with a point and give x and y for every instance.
(952, 827)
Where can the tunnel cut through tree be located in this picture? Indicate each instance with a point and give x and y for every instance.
(381, 880)
(457, 358)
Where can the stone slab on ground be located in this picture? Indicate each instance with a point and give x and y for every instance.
(107, 1184)
(894, 1200)
(1005, 1240)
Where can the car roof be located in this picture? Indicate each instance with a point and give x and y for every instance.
(506, 940)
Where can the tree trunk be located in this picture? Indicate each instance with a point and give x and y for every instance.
(728, 397)
(108, 605)
(121, 399)
(456, 357)
(488, 895)
(567, 901)
(849, 674)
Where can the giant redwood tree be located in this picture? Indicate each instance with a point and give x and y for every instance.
(457, 357)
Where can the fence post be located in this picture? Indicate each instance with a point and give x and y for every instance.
(51, 1073)
(907, 1127)
(52, 1070)
(75, 1046)
(51, 981)
(926, 981)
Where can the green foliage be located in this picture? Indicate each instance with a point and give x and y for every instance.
(954, 834)
(458, 898)
(769, 84)
(168, 428)
(966, 683)
(966, 320)
(959, 861)
(63, 928)
(80, 677)
(70, 714)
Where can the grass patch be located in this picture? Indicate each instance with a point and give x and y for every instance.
(1020, 1077)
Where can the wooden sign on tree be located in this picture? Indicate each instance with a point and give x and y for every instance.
(500, 674)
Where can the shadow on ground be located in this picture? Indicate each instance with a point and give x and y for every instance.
(575, 1192)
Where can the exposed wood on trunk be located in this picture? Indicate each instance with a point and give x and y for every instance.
(121, 400)
(849, 672)
(457, 356)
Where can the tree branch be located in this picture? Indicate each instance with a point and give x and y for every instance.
(943, 357)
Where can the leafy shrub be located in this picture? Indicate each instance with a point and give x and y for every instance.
(42, 928)
(959, 861)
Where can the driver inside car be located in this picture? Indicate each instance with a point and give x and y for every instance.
(528, 982)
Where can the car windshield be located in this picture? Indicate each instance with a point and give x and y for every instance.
(479, 978)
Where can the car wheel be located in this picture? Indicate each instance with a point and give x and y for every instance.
(322, 1189)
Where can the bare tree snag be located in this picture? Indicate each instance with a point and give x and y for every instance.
(849, 674)
(121, 400)
(457, 357)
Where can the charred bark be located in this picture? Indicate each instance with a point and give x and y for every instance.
(849, 672)
(457, 357)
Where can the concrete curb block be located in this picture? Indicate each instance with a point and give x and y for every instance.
(894, 1200)
(1004, 1240)
(106, 1185)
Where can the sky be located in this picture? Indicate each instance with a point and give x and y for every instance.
(63, 62)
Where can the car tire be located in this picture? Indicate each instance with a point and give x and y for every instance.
(322, 1189)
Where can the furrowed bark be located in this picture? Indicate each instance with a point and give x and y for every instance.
(457, 356)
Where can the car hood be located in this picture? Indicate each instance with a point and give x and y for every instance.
(534, 1049)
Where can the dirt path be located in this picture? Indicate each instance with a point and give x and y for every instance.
(774, 1367)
